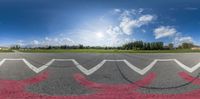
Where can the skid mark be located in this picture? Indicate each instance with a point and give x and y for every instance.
(101, 86)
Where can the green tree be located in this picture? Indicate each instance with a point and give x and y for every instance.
(187, 45)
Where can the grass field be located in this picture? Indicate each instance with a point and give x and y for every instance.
(106, 51)
(4, 51)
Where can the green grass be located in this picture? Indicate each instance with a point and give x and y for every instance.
(4, 51)
(107, 51)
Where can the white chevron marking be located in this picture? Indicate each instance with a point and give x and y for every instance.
(98, 66)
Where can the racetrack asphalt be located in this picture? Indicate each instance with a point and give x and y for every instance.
(66, 78)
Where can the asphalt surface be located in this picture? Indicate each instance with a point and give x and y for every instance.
(62, 82)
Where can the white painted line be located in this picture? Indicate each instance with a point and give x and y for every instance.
(98, 66)
(2, 61)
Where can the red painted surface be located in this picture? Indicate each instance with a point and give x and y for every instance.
(11, 89)
(114, 87)
(189, 78)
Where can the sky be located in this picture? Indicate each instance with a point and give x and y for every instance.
(98, 22)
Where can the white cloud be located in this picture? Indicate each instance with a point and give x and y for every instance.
(35, 42)
(20, 43)
(182, 39)
(117, 10)
(115, 37)
(140, 10)
(187, 39)
(56, 41)
(164, 31)
(113, 30)
(177, 37)
(145, 19)
(128, 23)
(129, 20)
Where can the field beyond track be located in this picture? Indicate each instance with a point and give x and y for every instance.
(106, 51)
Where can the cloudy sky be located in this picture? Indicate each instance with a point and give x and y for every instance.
(98, 22)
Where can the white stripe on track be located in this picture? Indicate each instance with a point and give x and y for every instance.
(98, 66)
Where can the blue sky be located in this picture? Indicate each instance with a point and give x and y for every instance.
(98, 22)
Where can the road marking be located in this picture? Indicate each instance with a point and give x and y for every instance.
(98, 66)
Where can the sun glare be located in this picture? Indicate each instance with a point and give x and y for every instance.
(99, 35)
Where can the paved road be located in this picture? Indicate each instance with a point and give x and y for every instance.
(88, 76)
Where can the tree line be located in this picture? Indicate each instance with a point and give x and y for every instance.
(136, 45)
(140, 45)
